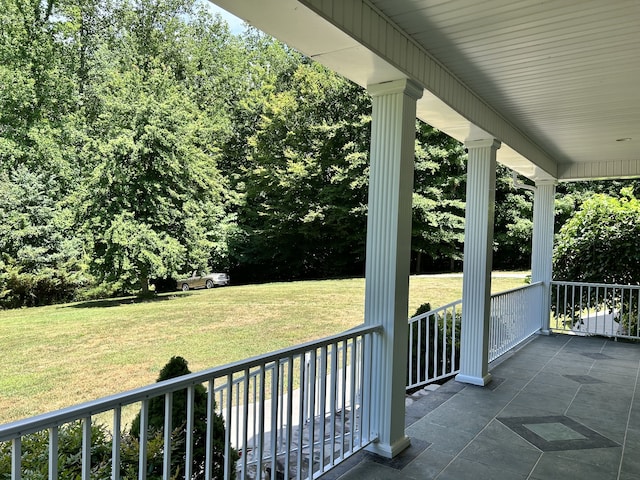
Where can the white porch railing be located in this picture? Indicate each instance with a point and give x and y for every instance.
(595, 309)
(434, 345)
(290, 414)
(515, 316)
(434, 336)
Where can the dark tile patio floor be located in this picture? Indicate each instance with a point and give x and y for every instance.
(560, 407)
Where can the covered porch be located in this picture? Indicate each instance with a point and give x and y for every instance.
(550, 90)
(545, 89)
(563, 404)
(560, 406)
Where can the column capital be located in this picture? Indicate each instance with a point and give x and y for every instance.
(402, 85)
(546, 181)
(483, 143)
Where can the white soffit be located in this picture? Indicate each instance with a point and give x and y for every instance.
(564, 72)
(560, 92)
(299, 27)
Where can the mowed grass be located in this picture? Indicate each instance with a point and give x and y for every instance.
(57, 356)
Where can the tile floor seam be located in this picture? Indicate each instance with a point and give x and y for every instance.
(626, 430)
(572, 400)
(593, 364)
(521, 391)
(455, 457)
(535, 465)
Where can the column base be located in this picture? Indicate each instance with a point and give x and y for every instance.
(480, 381)
(389, 451)
(544, 332)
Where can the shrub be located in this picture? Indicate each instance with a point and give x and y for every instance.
(31, 289)
(601, 244)
(35, 454)
(423, 339)
(99, 291)
(176, 367)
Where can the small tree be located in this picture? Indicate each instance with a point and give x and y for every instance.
(601, 243)
(177, 367)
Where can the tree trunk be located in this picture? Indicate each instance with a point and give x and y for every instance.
(144, 283)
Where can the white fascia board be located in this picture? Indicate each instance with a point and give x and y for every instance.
(615, 169)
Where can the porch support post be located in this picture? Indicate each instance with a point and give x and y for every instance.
(542, 245)
(478, 253)
(388, 256)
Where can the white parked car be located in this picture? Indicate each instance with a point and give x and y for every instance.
(202, 280)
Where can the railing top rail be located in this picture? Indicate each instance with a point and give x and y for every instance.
(516, 289)
(459, 301)
(434, 310)
(83, 410)
(589, 284)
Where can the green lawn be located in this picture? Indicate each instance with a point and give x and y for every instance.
(57, 356)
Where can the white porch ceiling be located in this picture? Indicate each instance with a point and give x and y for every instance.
(557, 82)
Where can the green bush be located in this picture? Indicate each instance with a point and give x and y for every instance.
(48, 286)
(35, 446)
(600, 244)
(35, 454)
(438, 328)
(176, 367)
(99, 291)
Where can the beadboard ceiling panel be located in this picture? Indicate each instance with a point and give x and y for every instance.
(556, 81)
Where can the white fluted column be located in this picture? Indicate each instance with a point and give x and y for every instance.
(542, 245)
(388, 255)
(478, 253)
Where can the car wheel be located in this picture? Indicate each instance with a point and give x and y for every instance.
(210, 284)
(185, 287)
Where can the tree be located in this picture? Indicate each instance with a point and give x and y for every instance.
(438, 198)
(513, 223)
(154, 203)
(304, 184)
(154, 177)
(601, 244)
(40, 130)
(41, 261)
(37, 94)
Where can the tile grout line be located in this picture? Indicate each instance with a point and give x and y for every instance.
(541, 452)
(593, 364)
(626, 430)
(502, 409)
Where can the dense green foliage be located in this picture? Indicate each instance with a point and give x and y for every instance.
(35, 446)
(601, 244)
(35, 451)
(176, 367)
(141, 139)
